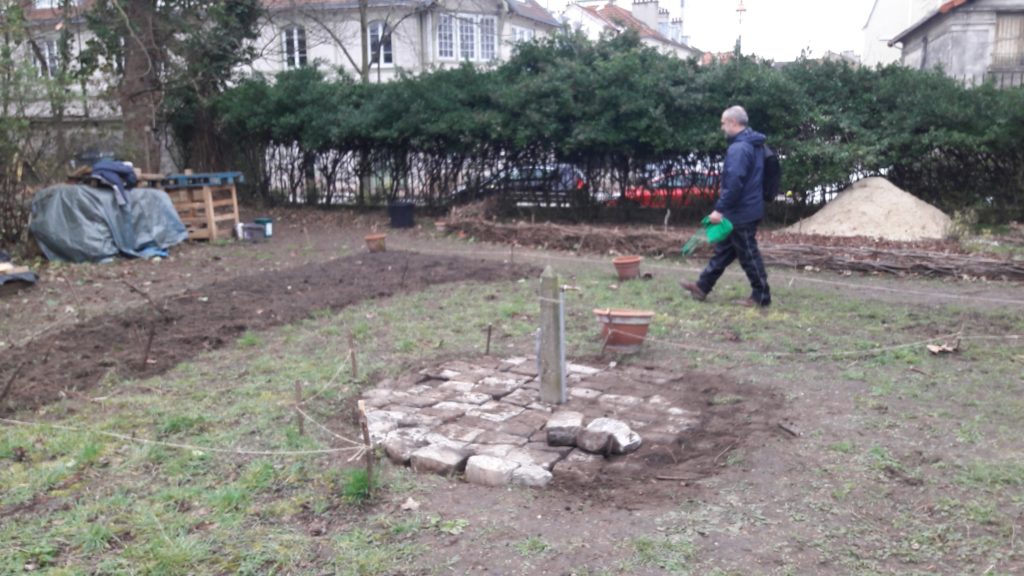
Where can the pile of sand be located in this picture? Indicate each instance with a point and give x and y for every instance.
(874, 207)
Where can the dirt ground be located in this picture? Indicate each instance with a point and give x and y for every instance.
(728, 484)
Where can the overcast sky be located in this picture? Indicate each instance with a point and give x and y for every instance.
(775, 29)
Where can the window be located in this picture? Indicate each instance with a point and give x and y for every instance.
(294, 46)
(47, 59)
(1009, 48)
(488, 38)
(521, 34)
(467, 38)
(445, 37)
(380, 44)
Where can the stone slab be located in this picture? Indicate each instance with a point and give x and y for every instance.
(456, 386)
(498, 386)
(487, 470)
(580, 467)
(522, 397)
(620, 401)
(563, 427)
(531, 476)
(458, 432)
(438, 460)
(401, 443)
(495, 411)
(584, 393)
(499, 450)
(495, 437)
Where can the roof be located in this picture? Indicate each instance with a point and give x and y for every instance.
(530, 10)
(942, 10)
(43, 15)
(617, 17)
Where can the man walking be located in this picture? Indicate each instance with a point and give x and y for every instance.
(741, 201)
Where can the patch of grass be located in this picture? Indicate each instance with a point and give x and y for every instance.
(842, 447)
(178, 424)
(249, 340)
(230, 498)
(532, 546)
(365, 553)
(982, 474)
(726, 400)
(672, 553)
(355, 487)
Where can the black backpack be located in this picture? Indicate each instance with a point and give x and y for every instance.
(772, 175)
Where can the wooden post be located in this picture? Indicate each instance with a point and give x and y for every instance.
(552, 341)
(489, 328)
(369, 445)
(352, 356)
(299, 420)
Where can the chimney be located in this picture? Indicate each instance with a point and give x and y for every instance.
(663, 22)
(675, 29)
(646, 11)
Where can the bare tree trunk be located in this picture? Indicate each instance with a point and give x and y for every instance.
(139, 92)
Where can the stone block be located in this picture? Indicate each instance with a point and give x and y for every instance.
(531, 476)
(619, 401)
(499, 450)
(522, 397)
(475, 398)
(489, 470)
(537, 406)
(563, 427)
(418, 420)
(498, 386)
(458, 432)
(494, 411)
(445, 442)
(401, 443)
(580, 467)
(584, 393)
(380, 422)
(495, 437)
(528, 456)
(460, 407)
(456, 386)
(581, 369)
(438, 460)
(443, 414)
(606, 435)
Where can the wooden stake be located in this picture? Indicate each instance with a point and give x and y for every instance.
(149, 345)
(489, 327)
(299, 420)
(352, 356)
(364, 425)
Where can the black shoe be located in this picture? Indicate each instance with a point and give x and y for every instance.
(694, 290)
(751, 303)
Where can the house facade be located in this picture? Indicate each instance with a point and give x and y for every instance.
(403, 36)
(653, 24)
(973, 41)
(887, 19)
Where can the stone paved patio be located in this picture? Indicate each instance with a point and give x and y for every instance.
(484, 418)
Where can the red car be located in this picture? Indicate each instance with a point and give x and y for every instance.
(672, 191)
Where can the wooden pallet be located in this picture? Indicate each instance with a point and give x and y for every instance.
(207, 203)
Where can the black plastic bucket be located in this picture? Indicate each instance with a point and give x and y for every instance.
(401, 214)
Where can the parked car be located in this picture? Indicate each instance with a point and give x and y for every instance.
(672, 191)
(549, 185)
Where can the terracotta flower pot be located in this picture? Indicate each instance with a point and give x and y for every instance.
(628, 267)
(375, 242)
(623, 330)
(441, 226)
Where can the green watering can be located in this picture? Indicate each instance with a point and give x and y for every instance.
(711, 233)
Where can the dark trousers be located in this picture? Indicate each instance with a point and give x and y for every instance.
(741, 244)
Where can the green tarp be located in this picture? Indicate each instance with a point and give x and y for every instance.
(84, 224)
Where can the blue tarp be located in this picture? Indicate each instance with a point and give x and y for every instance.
(80, 223)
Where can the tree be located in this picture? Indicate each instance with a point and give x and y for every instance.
(170, 57)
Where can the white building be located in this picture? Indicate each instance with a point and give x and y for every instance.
(888, 18)
(410, 36)
(653, 23)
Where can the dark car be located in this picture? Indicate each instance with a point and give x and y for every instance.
(550, 185)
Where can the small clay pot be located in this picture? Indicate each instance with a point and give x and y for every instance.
(441, 226)
(623, 330)
(628, 267)
(375, 242)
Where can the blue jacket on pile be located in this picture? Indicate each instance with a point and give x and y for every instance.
(741, 199)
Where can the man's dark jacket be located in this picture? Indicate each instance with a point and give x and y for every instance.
(741, 199)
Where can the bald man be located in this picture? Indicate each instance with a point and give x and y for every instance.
(741, 200)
